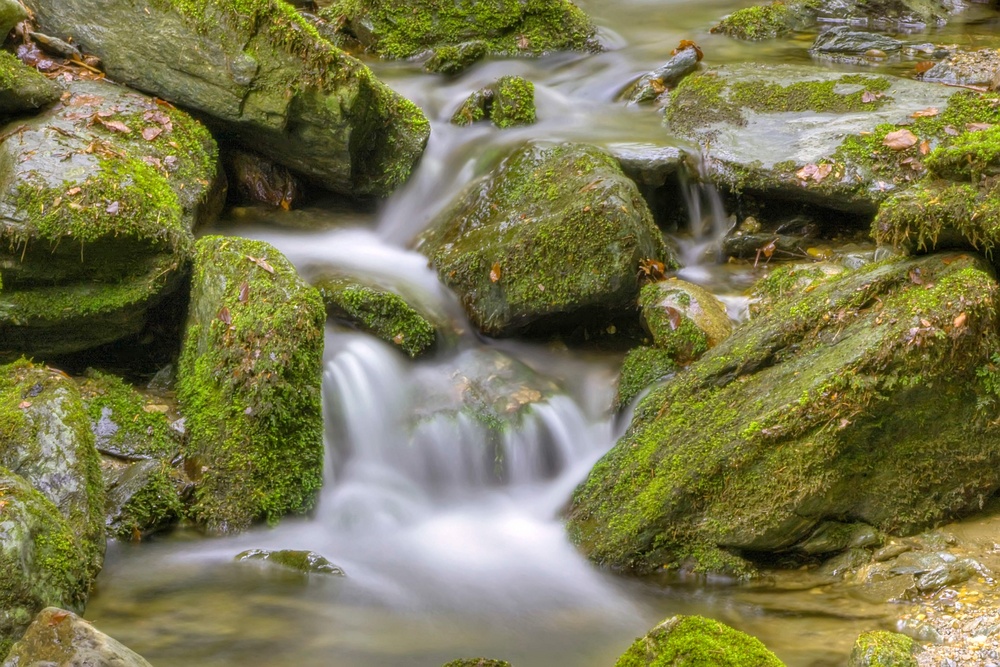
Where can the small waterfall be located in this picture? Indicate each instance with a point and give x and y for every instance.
(708, 224)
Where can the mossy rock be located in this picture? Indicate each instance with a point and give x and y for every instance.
(778, 131)
(45, 438)
(379, 311)
(966, 68)
(550, 238)
(22, 89)
(880, 648)
(249, 384)
(759, 22)
(142, 498)
(124, 422)
(305, 562)
(11, 13)
(41, 562)
(263, 76)
(477, 662)
(867, 399)
(508, 102)
(642, 367)
(683, 319)
(695, 641)
(505, 29)
(60, 637)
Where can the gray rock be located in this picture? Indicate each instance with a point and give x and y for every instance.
(975, 68)
(60, 637)
(142, 499)
(846, 41)
(649, 164)
(653, 84)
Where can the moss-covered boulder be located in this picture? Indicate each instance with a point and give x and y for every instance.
(642, 367)
(41, 562)
(508, 102)
(550, 238)
(683, 319)
(249, 384)
(100, 195)
(774, 19)
(23, 89)
(263, 75)
(60, 637)
(305, 562)
(506, 29)
(142, 498)
(379, 311)
(125, 423)
(45, 438)
(778, 131)
(695, 641)
(870, 397)
(880, 648)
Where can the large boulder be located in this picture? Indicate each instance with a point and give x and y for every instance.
(22, 89)
(41, 563)
(60, 637)
(868, 397)
(263, 75)
(695, 641)
(779, 131)
(100, 195)
(453, 30)
(249, 384)
(550, 238)
(45, 438)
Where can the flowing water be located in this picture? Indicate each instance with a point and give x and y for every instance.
(447, 526)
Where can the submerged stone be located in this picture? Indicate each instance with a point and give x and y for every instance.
(249, 384)
(695, 641)
(550, 238)
(60, 637)
(975, 68)
(306, 562)
(264, 77)
(841, 41)
(868, 398)
(880, 648)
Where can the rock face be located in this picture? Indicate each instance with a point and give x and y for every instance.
(40, 560)
(46, 439)
(869, 398)
(22, 88)
(412, 27)
(974, 68)
(100, 195)
(695, 641)
(249, 384)
(59, 637)
(779, 130)
(263, 75)
(551, 237)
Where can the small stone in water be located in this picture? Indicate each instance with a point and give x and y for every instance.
(307, 562)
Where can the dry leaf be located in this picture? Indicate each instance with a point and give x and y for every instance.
(960, 320)
(868, 96)
(113, 208)
(925, 147)
(244, 292)
(925, 323)
(923, 66)
(806, 172)
(673, 316)
(950, 131)
(117, 126)
(915, 277)
(976, 127)
(262, 263)
(73, 191)
(688, 44)
(900, 140)
(150, 133)
(224, 315)
(58, 617)
(925, 113)
(522, 42)
(495, 272)
(24, 405)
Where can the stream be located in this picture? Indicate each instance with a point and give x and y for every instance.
(445, 557)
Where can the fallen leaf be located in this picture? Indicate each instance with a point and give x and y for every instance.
(915, 277)
(925, 113)
(925, 323)
(868, 97)
(73, 191)
(806, 172)
(244, 292)
(923, 66)
(977, 127)
(950, 131)
(925, 147)
(495, 272)
(822, 171)
(224, 315)
(673, 316)
(113, 208)
(900, 140)
(262, 263)
(522, 42)
(58, 617)
(117, 126)
(960, 320)
(688, 44)
(398, 339)
(150, 133)
(24, 405)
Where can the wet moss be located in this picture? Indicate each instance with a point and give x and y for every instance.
(23, 88)
(119, 418)
(508, 102)
(699, 101)
(455, 59)
(759, 22)
(880, 648)
(695, 641)
(249, 384)
(153, 506)
(642, 367)
(968, 157)
(818, 96)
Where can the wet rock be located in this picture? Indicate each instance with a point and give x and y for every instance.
(47, 441)
(833, 536)
(414, 27)
(976, 68)
(508, 102)
(653, 84)
(126, 424)
(378, 311)
(93, 239)
(891, 15)
(60, 637)
(255, 179)
(11, 13)
(922, 632)
(264, 77)
(649, 164)
(306, 562)
(642, 367)
(249, 384)
(142, 499)
(812, 408)
(41, 562)
(22, 89)
(684, 319)
(550, 238)
(760, 22)
(455, 59)
(695, 640)
(841, 41)
(879, 648)
(778, 131)
(947, 574)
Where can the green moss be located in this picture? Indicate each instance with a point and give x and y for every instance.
(642, 367)
(969, 157)
(818, 96)
(154, 506)
(695, 641)
(455, 59)
(475, 108)
(22, 88)
(699, 101)
(758, 22)
(120, 421)
(381, 312)
(508, 102)
(880, 648)
(249, 384)
(673, 332)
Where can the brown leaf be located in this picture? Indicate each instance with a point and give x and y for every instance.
(925, 113)
(73, 191)
(822, 171)
(57, 617)
(915, 277)
(960, 320)
(523, 43)
(977, 127)
(244, 292)
(150, 133)
(688, 44)
(925, 323)
(262, 263)
(925, 147)
(900, 140)
(224, 315)
(495, 272)
(950, 131)
(923, 66)
(116, 126)
(868, 97)
(806, 172)
(24, 405)
(673, 316)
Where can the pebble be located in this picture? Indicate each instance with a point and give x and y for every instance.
(967, 621)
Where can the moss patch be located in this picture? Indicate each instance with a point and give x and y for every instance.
(884, 649)
(508, 102)
(642, 367)
(760, 22)
(121, 421)
(695, 641)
